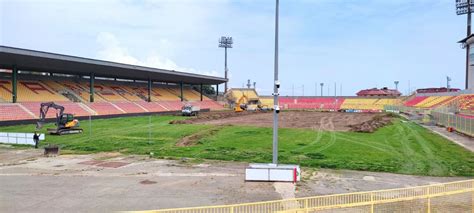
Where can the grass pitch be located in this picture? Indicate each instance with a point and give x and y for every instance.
(403, 147)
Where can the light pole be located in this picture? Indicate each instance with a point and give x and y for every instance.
(225, 42)
(264, 172)
(448, 86)
(322, 85)
(275, 92)
(396, 84)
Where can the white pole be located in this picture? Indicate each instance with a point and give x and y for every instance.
(275, 91)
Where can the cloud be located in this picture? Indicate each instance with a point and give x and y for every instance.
(112, 50)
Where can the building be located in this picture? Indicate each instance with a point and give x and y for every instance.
(379, 92)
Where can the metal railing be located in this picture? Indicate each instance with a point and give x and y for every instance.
(442, 116)
(445, 197)
(460, 124)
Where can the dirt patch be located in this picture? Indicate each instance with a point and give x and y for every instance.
(207, 116)
(372, 125)
(193, 139)
(328, 121)
(147, 182)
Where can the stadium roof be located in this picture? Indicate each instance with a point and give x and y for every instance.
(31, 60)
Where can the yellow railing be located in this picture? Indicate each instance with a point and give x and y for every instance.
(445, 197)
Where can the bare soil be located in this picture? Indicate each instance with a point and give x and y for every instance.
(330, 121)
(193, 139)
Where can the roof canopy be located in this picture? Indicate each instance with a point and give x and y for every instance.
(32, 60)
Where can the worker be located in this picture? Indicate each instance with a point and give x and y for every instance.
(36, 139)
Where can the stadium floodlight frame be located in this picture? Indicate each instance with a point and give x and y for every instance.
(462, 7)
(226, 42)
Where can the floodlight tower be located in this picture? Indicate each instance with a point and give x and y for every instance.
(448, 86)
(396, 84)
(466, 7)
(322, 85)
(225, 42)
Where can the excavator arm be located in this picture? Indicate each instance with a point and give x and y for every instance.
(44, 110)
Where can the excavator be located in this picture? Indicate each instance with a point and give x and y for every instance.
(241, 104)
(65, 123)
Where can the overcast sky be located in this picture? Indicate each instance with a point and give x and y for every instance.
(357, 43)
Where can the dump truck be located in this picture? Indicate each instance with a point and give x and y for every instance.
(190, 110)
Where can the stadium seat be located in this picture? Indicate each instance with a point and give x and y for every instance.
(465, 102)
(312, 103)
(152, 106)
(9, 112)
(29, 91)
(130, 107)
(415, 100)
(125, 92)
(105, 108)
(433, 101)
(5, 91)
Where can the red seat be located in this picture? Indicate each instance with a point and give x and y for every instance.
(104, 108)
(9, 112)
(129, 107)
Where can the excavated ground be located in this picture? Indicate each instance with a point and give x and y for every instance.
(358, 122)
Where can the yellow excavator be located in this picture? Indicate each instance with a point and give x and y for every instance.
(241, 104)
(65, 123)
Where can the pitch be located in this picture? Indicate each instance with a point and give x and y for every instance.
(399, 147)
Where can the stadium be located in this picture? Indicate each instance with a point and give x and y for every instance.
(122, 137)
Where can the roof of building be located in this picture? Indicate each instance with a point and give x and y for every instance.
(379, 92)
(32, 60)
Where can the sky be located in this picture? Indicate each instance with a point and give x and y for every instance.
(355, 44)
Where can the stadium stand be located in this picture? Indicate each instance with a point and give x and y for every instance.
(433, 101)
(110, 98)
(167, 94)
(361, 104)
(20, 113)
(265, 101)
(414, 101)
(312, 103)
(29, 91)
(5, 90)
(235, 94)
(464, 102)
(65, 80)
(107, 94)
(125, 92)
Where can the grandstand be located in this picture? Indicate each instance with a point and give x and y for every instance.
(92, 87)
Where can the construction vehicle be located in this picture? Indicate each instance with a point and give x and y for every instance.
(190, 110)
(65, 123)
(241, 104)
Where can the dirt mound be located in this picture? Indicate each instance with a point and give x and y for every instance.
(372, 125)
(193, 139)
(202, 117)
